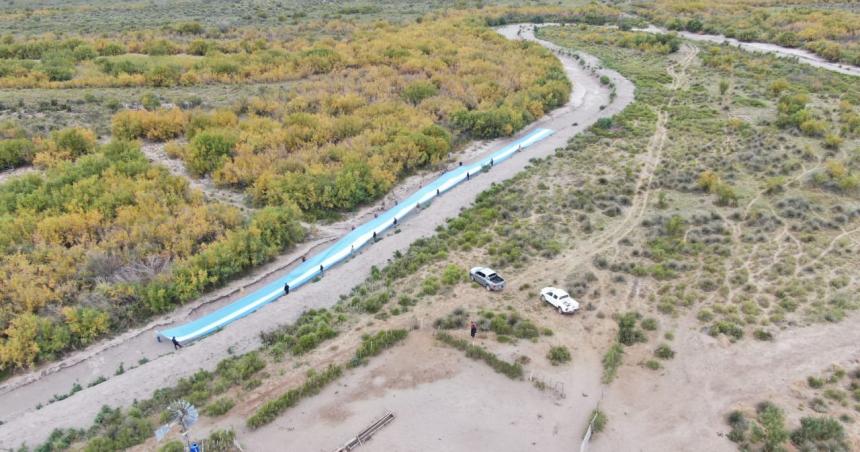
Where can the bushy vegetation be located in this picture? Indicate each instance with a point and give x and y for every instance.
(311, 329)
(106, 240)
(314, 383)
(558, 355)
(599, 421)
(219, 407)
(458, 318)
(116, 429)
(768, 432)
(508, 324)
(820, 433)
(611, 362)
(724, 258)
(372, 345)
(663, 351)
(16, 152)
(831, 33)
(628, 333)
(510, 370)
(645, 42)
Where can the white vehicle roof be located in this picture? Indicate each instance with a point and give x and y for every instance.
(553, 290)
(484, 270)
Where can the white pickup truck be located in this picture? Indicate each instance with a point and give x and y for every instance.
(559, 299)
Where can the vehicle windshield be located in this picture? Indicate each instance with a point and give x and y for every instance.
(495, 278)
(563, 296)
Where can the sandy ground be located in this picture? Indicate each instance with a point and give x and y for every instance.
(683, 407)
(8, 174)
(19, 395)
(442, 401)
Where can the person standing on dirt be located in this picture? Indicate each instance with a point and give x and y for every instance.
(474, 329)
(176, 344)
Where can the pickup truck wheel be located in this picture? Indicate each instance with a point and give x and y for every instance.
(559, 310)
(487, 287)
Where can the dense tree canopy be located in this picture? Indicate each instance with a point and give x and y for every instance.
(109, 239)
(387, 101)
(103, 239)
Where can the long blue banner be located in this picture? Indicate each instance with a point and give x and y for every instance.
(344, 247)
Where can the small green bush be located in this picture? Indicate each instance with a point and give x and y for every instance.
(15, 152)
(455, 320)
(312, 386)
(511, 370)
(599, 421)
(611, 362)
(649, 324)
(220, 441)
(628, 334)
(814, 382)
(430, 286)
(820, 433)
(218, 407)
(172, 446)
(739, 424)
(664, 352)
(772, 432)
(452, 275)
(558, 355)
(376, 344)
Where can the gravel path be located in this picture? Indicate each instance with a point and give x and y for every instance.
(19, 396)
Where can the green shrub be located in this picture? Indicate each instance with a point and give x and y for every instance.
(220, 441)
(218, 407)
(430, 286)
(311, 329)
(417, 91)
(312, 386)
(739, 424)
(172, 446)
(452, 275)
(511, 370)
(599, 421)
(207, 149)
(649, 324)
(763, 335)
(772, 432)
(815, 382)
(653, 364)
(820, 433)
(16, 152)
(376, 344)
(628, 334)
(664, 352)
(728, 328)
(455, 320)
(611, 362)
(558, 355)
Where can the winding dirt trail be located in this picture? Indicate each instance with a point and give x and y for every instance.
(802, 56)
(589, 101)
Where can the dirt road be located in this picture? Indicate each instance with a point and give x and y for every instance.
(802, 56)
(19, 396)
